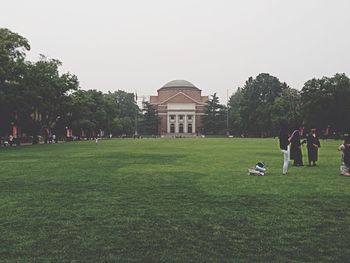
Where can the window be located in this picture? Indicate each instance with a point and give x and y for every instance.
(189, 128)
(172, 117)
(189, 117)
(181, 117)
(172, 128)
(181, 128)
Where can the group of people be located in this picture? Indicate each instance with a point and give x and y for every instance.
(290, 146)
(9, 141)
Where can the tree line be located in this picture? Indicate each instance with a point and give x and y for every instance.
(264, 104)
(37, 99)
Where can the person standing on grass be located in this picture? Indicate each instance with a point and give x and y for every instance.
(295, 148)
(345, 160)
(313, 143)
(10, 139)
(284, 142)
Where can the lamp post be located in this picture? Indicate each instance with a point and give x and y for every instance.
(136, 121)
(227, 113)
(136, 116)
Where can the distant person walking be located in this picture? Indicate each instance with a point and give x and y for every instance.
(11, 140)
(295, 148)
(284, 142)
(345, 160)
(313, 143)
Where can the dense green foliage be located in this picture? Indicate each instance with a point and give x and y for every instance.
(150, 120)
(215, 116)
(264, 104)
(32, 94)
(180, 200)
(93, 111)
(35, 97)
(12, 54)
(326, 102)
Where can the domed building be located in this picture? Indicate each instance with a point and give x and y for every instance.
(180, 106)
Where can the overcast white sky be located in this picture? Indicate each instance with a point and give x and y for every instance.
(215, 44)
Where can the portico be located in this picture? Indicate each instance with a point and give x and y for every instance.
(180, 107)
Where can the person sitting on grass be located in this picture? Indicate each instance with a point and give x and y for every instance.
(345, 160)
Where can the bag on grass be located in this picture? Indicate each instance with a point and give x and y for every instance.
(259, 169)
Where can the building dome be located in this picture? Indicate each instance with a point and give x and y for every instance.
(179, 84)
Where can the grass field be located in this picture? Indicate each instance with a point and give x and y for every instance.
(182, 200)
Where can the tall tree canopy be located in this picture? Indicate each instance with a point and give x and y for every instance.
(326, 102)
(13, 49)
(127, 113)
(30, 88)
(235, 118)
(93, 111)
(150, 120)
(47, 90)
(259, 108)
(215, 116)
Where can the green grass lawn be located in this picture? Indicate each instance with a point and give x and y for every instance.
(181, 200)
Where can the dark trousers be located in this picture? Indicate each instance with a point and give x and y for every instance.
(298, 158)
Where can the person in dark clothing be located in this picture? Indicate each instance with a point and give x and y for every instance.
(295, 148)
(284, 142)
(313, 143)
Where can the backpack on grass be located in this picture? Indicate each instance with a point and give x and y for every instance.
(259, 169)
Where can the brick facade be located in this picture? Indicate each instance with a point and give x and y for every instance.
(180, 106)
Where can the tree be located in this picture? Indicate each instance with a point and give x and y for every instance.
(263, 105)
(215, 116)
(28, 88)
(89, 113)
(234, 107)
(126, 113)
(256, 103)
(286, 110)
(150, 119)
(13, 49)
(35, 96)
(92, 111)
(326, 102)
(46, 90)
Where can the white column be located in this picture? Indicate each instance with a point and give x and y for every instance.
(194, 122)
(176, 123)
(185, 123)
(168, 124)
